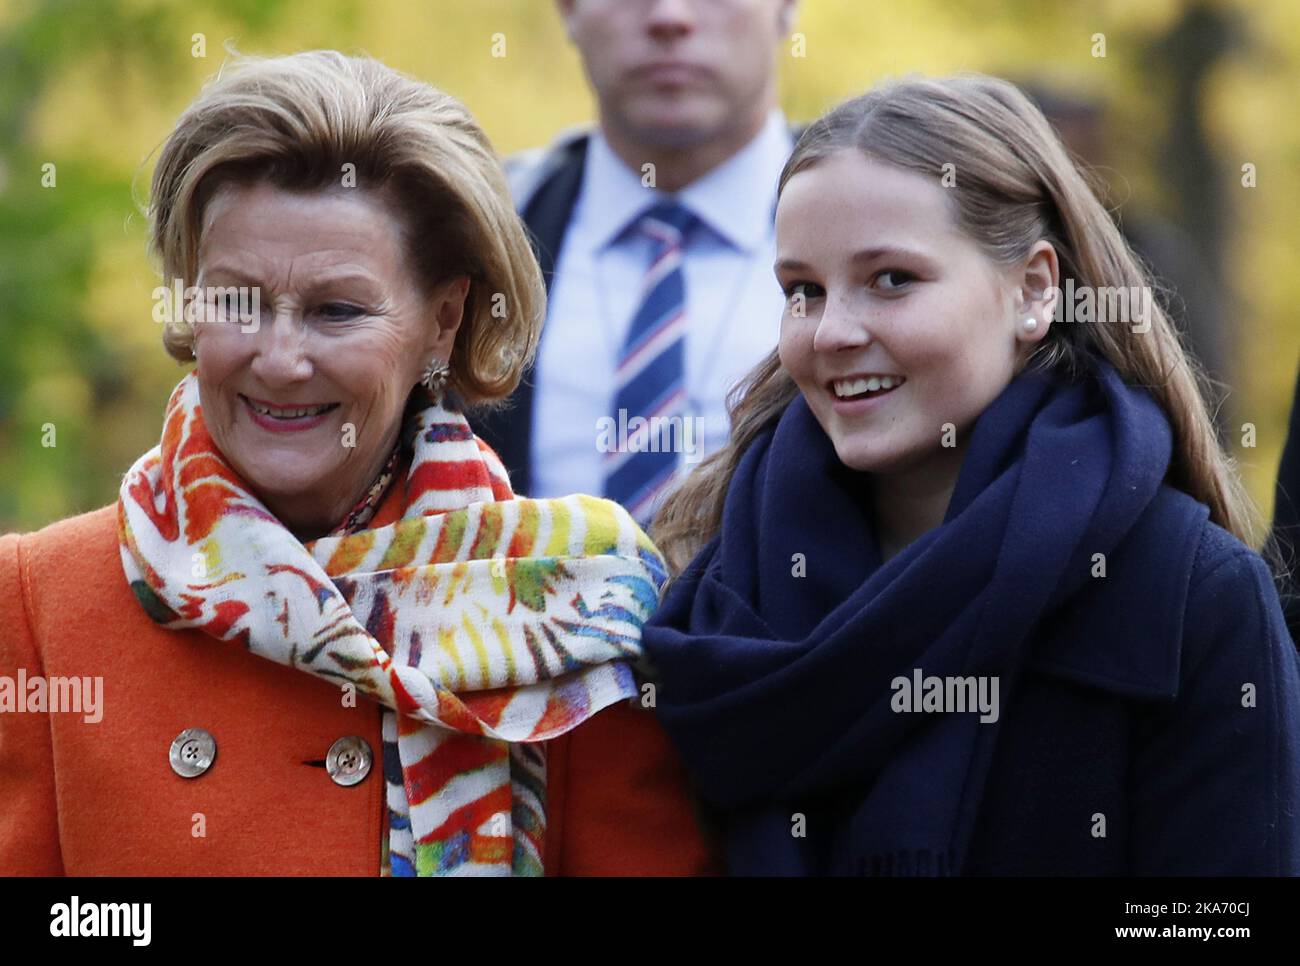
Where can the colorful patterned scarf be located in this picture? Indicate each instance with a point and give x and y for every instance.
(484, 624)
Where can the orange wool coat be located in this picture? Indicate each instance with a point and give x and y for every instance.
(81, 798)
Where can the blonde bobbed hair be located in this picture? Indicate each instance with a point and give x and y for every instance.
(298, 122)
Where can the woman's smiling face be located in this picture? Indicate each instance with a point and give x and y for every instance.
(344, 332)
(896, 324)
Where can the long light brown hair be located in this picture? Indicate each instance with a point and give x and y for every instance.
(1016, 184)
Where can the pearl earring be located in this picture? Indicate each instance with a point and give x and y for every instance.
(1030, 324)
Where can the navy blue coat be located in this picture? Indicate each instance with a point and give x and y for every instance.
(1130, 748)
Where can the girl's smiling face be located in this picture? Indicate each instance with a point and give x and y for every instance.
(897, 324)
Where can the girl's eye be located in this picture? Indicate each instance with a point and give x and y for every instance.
(340, 311)
(806, 290)
(894, 278)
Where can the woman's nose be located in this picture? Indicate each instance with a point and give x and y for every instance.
(842, 326)
(281, 355)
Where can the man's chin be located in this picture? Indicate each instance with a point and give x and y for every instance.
(678, 124)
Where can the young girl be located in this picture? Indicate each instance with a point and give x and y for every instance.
(968, 591)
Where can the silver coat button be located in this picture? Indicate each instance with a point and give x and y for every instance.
(192, 752)
(348, 761)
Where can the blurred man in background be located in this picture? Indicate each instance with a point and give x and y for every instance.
(655, 235)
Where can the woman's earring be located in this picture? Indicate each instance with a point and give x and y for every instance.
(1030, 325)
(435, 376)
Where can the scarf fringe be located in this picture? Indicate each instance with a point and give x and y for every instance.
(909, 863)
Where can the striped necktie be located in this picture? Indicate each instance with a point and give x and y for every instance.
(651, 377)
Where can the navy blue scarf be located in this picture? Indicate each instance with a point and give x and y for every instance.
(776, 688)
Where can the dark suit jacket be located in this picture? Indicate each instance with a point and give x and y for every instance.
(1286, 518)
(547, 214)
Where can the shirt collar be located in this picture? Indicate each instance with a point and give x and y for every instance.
(735, 199)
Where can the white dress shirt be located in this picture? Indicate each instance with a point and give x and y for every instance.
(733, 303)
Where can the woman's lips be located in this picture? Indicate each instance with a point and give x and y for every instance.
(281, 424)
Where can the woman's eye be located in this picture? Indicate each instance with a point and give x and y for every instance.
(894, 278)
(804, 290)
(340, 311)
(228, 307)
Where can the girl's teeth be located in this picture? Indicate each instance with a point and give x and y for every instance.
(856, 387)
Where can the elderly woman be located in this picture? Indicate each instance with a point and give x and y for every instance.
(330, 638)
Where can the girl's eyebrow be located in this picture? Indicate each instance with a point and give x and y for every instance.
(865, 255)
(887, 251)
